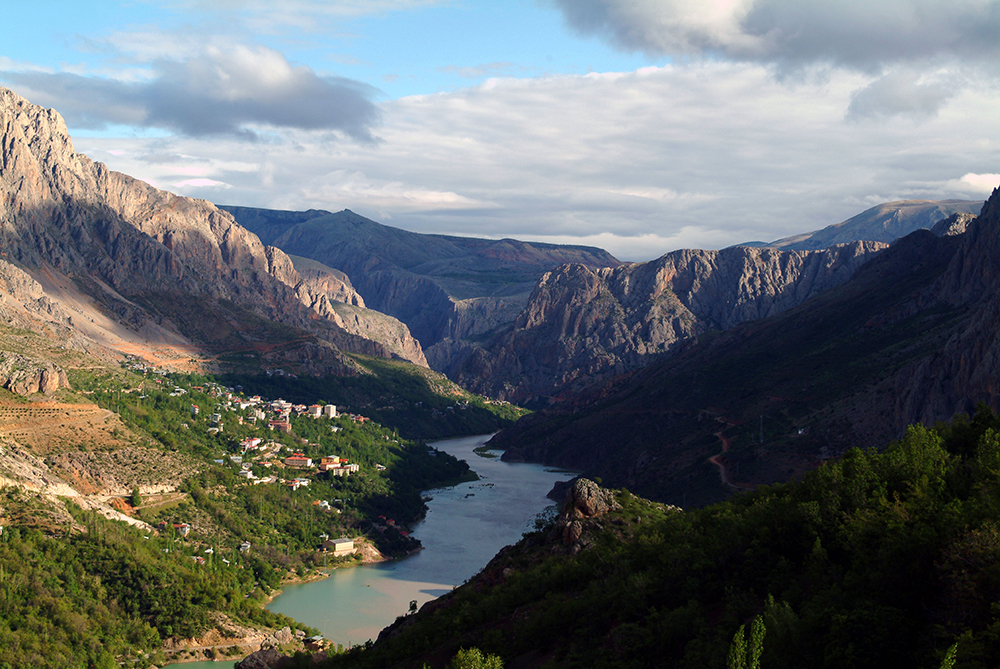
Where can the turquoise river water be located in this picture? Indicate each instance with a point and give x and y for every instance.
(464, 528)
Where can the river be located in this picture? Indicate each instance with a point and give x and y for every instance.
(465, 526)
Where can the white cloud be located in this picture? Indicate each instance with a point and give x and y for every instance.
(237, 90)
(859, 33)
(972, 185)
(901, 93)
(705, 155)
(200, 183)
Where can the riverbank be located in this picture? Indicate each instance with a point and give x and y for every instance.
(463, 528)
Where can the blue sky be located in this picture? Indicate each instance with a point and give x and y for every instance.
(636, 125)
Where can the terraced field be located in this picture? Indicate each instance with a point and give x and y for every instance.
(52, 427)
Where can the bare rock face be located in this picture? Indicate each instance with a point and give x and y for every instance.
(586, 499)
(133, 244)
(956, 224)
(267, 658)
(323, 280)
(25, 376)
(582, 324)
(585, 503)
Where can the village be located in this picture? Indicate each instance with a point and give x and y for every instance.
(256, 441)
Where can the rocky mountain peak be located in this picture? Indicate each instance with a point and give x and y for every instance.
(143, 252)
(581, 323)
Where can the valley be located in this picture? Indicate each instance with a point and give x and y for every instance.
(196, 400)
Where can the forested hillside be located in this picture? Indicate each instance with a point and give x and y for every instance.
(881, 559)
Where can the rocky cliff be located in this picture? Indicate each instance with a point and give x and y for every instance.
(911, 337)
(448, 290)
(582, 324)
(144, 256)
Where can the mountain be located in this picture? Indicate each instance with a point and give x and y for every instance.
(448, 290)
(886, 558)
(583, 324)
(134, 269)
(884, 223)
(911, 337)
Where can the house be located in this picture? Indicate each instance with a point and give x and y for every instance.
(330, 411)
(281, 425)
(250, 443)
(343, 469)
(298, 460)
(315, 410)
(339, 547)
(328, 462)
(245, 547)
(182, 529)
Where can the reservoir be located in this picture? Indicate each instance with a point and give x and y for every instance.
(465, 526)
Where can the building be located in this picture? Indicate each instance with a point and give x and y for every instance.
(343, 469)
(339, 547)
(298, 460)
(329, 462)
(280, 425)
(330, 411)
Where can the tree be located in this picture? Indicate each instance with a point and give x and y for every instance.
(740, 657)
(473, 658)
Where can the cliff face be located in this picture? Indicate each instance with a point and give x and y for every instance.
(582, 324)
(911, 337)
(448, 290)
(965, 370)
(141, 252)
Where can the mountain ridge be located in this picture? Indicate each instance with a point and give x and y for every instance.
(447, 289)
(142, 256)
(581, 325)
(910, 338)
(885, 222)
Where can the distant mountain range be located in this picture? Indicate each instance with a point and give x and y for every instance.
(534, 322)
(448, 290)
(911, 337)
(883, 223)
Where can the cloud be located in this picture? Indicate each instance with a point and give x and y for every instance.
(238, 91)
(856, 33)
(972, 185)
(708, 154)
(901, 93)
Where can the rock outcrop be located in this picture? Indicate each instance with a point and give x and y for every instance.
(26, 376)
(585, 501)
(583, 324)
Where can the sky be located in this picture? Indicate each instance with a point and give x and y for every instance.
(639, 126)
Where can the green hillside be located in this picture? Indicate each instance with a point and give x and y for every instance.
(881, 559)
